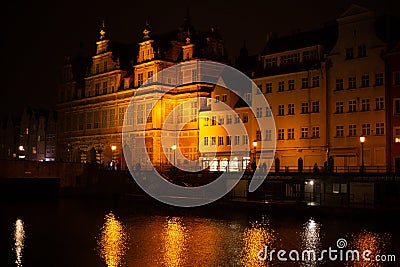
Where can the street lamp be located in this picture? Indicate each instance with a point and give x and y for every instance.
(174, 149)
(255, 147)
(362, 140)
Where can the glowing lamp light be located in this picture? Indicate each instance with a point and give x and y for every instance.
(113, 148)
(173, 147)
(21, 148)
(254, 143)
(362, 139)
(311, 182)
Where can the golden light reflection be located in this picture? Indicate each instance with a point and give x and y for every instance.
(255, 238)
(112, 243)
(311, 240)
(175, 242)
(19, 240)
(374, 242)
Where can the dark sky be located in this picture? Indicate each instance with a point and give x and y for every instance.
(36, 36)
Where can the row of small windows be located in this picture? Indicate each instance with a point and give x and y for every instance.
(291, 59)
(365, 127)
(94, 119)
(305, 83)
(104, 69)
(352, 105)
(305, 132)
(365, 81)
(235, 140)
(361, 52)
(305, 108)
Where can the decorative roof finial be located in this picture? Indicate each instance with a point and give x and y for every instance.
(103, 31)
(146, 31)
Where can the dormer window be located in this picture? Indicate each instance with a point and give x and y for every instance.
(349, 53)
(362, 51)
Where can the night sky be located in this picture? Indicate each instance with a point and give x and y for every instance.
(35, 37)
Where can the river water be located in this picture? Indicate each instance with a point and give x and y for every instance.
(104, 232)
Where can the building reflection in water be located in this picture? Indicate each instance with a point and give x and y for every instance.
(255, 238)
(311, 240)
(19, 240)
(112, 243)
(374, 242)
(175, 238)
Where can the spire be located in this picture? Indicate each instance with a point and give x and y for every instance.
(146, 31)
(103, 33)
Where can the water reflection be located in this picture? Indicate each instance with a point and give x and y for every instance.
(19, 240)
(112, 243)
(311, 240)
(374, 242)
(174, 238)
(255, 238)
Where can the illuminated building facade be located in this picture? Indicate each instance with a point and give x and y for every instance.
(325, 88)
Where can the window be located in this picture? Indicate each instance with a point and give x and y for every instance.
(237, 119)
(365, 106)
(352, 130)
(220, 140)
(180, 77)
(379, 103)
(97, 68)
(339, 84)
(206, 121)
(306, 56)
(194, 75)
(149, 110)
(362, 51)
(304, 108)
(245, 139)
(365, 80)
(213, 120)
(221, 120)
(339, 130)
(205, 141)
(228, 119)
(112, 118)
(105, 87)
(349, 53)
(339, 107)
(281, 134)
(97, 89)
(105, 66)
(247, 97)
(291, 109)
(96, 123)
(291, 133)
(315, 106)
(268, 135)
(245, 117)
(281, 86)
(268, 112)
(237, 140)
(315, 81)
(260, 86)
(380, 128)
(140, 79)
(315, 132)
(268, 88)
(281, 110)
(352, 106)
(397, 135)
(89, 120)
(396, 78)
(213, 141)
(121, 116)
(259, 112)
(258, 135)
(228, 140)
(379, 79)
(304, 132)
(291, 85)
(271, 62)
(366, 129)
(150, 76)
(304, 83)
(397, 106)
(217, 98)
(352, 82)
(224, 98)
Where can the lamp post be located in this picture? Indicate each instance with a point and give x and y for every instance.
(254, 164)
(174, 149)
(362, 140)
